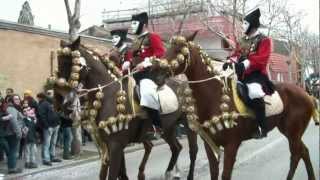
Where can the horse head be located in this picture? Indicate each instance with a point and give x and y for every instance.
(81, 73)
(75, 62)
(179, 53)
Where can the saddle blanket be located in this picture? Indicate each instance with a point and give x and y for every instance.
(274, 104)
(163, 99)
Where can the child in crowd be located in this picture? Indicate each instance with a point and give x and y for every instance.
(31, 137)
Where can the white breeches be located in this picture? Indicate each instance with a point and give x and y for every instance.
(255, 90)
(149, 95)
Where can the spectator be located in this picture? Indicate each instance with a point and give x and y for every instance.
(9, 93)
(27, 97)
(11, 129)
(17, 104)
(31, 137)
(49, 121)
(66, 125)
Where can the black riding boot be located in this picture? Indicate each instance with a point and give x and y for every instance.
(154, 115)
(258, 106)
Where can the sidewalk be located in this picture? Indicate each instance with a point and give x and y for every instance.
(89, 154)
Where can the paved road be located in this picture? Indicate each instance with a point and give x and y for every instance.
(266, 159)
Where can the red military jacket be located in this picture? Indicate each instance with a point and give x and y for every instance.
(150, 44)
(258, 55)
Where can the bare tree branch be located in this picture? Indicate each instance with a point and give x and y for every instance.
(73, 20)
(66, 2)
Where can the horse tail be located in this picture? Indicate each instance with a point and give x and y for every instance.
(315, 113)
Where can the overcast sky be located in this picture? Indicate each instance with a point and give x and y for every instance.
(53, 11)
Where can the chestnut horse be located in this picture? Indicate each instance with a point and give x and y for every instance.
(292, 122)
(95, 74)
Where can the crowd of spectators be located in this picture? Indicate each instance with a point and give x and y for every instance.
(29, 127)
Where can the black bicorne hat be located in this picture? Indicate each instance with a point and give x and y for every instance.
(120, 32)
(253, 18)
(141, 17)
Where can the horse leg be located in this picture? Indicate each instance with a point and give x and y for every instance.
(116, 153)
(193, 150)
(230, 153)
(147, 150)
(213, 163)
(307, 162)
(104, 167)
(175, 148)
(299, 150)
(104, 170)
(123, 170)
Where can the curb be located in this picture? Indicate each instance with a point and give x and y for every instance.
(80, 162)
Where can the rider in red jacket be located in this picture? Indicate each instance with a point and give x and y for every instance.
(251, 58)
(147, 44)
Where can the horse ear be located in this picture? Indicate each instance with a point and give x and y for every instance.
(192, 36)
(76, 43)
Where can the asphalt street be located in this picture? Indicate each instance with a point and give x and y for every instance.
(266, 159)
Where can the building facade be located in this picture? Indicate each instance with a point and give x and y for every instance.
(28, 55)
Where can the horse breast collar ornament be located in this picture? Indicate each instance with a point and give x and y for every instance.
(112, 124)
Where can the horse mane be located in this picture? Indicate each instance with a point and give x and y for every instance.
(102, 60)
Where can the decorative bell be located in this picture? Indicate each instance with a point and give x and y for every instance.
(61, 82)
(174, 64)
(185, 51)
(180, 58)
(75, 68)
(75, 76)
(99, 95)
(224, 107)
(75, 53)
(97, 104)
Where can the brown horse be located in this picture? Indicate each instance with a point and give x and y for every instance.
(94, 74)
(292, 122)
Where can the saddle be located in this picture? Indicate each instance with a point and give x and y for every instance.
(167, 99)
(274, 104)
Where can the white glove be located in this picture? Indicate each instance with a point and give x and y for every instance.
(146, 62)
(246, 63)
(125, 65)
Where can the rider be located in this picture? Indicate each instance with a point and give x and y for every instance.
(120, 48)
(251, 61)
(146, 45)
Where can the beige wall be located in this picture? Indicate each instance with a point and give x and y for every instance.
(25, 59)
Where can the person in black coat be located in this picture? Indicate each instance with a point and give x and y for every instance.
(49, 121)
(66, 125)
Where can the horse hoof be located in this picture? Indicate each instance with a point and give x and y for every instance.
(190, 177)
(141, 177)
(168, 175)
(177, 176)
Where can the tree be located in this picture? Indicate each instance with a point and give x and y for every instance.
(271, 11)
(74, 26)
(73, 20)
(177, 11)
